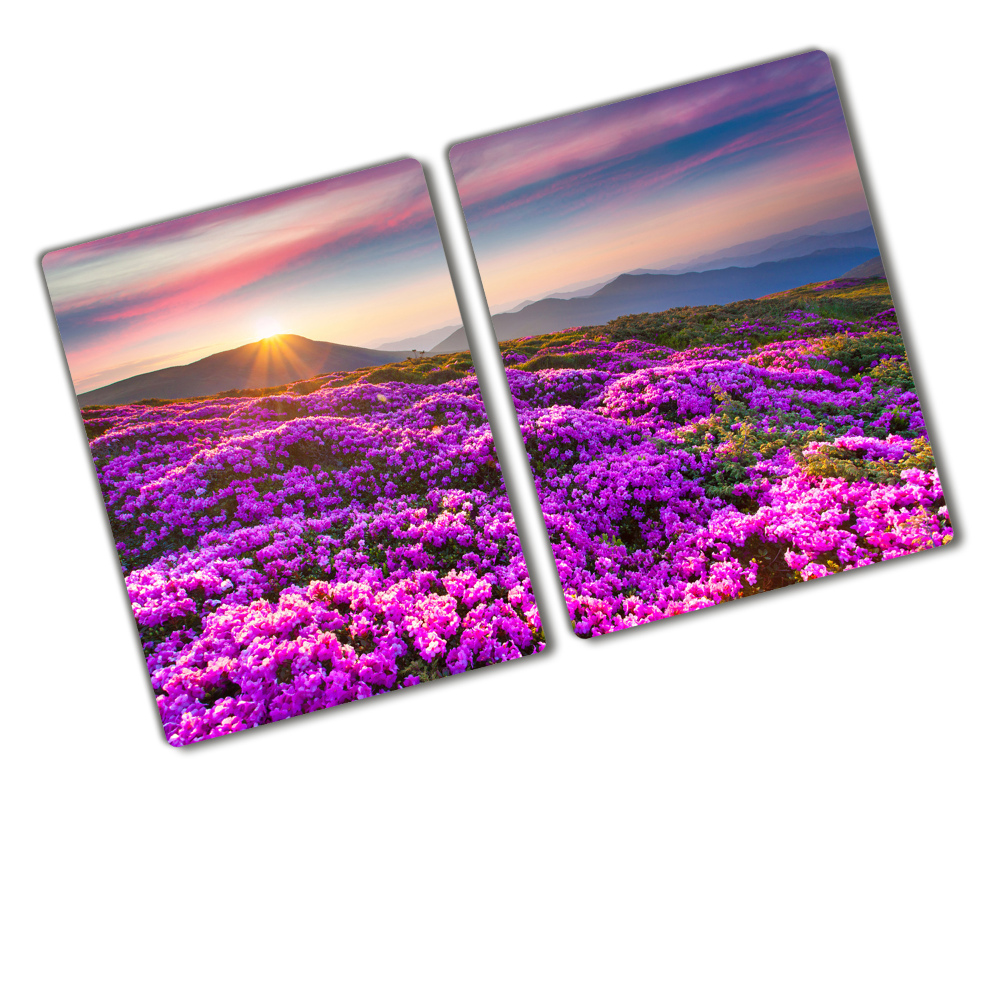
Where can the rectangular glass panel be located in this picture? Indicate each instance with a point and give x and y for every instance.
(701, 344)
(307, 509)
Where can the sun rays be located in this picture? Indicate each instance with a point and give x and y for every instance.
(273, 360)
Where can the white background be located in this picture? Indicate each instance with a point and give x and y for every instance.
(790, 797)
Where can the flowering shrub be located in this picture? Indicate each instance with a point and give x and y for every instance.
(691, 457)
(292, 551)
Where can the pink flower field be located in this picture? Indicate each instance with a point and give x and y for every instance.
(294, 548)
(288, 552)
(692, 457)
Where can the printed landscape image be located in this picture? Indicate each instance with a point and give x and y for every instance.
(702, 347)
(301, 521)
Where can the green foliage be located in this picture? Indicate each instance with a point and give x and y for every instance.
(847, 307)
(392, 373)
(153, 634)
(283, 406)
(843, 463)
(442, 375)
(772, 570)
(95, 426)
(540, 361)
(736, 444)
(310, 385)
(895, 372)
(857, 354)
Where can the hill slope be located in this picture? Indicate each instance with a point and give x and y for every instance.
(869, 269)
(273, 361)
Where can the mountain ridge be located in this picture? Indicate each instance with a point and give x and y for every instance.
(838, 224)
(854, 229)
(782, 250)
(272, 361)
(421, 342)
(639, 293)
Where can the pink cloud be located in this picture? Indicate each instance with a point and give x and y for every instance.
(494, 165)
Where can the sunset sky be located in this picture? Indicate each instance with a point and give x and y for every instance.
(356, 259)
(657, 179)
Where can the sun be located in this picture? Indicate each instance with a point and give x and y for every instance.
(269, 329)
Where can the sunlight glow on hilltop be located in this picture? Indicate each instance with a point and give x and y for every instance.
(269, 328)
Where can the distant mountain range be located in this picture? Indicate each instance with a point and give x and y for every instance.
(274, 361)
(656, 291)
(850, 230)
(420, 343)
(781, 250)
(826, 227)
